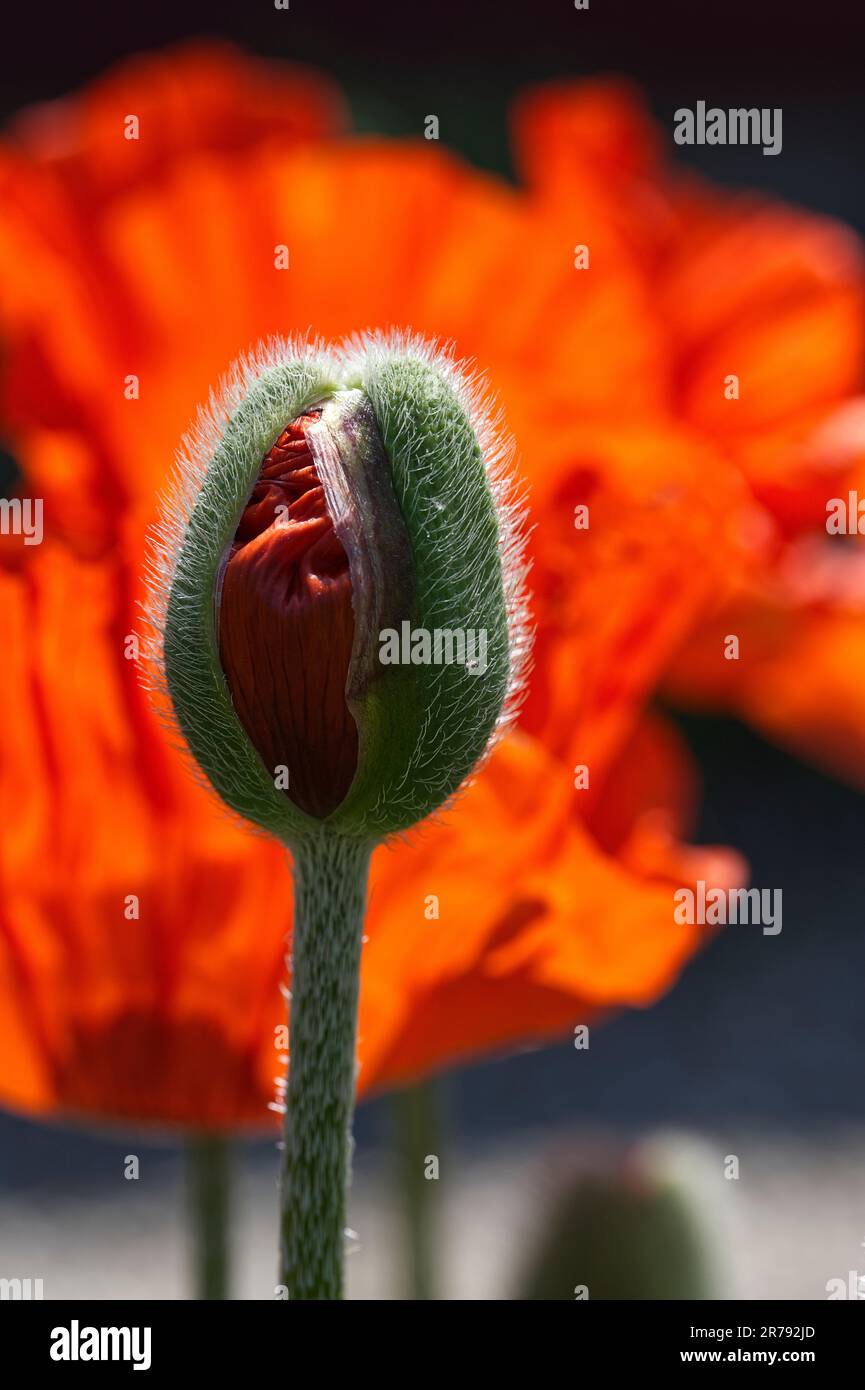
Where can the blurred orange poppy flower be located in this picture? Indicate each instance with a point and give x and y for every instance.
(775, 297)
(142, 933)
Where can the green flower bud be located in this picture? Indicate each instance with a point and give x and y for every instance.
(338, 587)
(620, 1227)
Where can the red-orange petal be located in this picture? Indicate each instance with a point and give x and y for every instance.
(286, 628)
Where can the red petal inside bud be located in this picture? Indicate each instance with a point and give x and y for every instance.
(286, 628)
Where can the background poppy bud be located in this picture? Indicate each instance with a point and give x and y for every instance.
(339, 586)
(620, 1223)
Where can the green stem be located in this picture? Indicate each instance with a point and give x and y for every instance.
(208, 1187)
(330, 875)
(418, 1143)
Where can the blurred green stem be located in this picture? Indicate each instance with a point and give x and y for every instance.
(208, 1194)
(417, 1123)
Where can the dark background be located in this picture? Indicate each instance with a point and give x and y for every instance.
(464, 59)
(761, 1031)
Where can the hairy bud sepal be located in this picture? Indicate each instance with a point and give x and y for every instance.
(437, 720)
(213, 481)
(414, 474)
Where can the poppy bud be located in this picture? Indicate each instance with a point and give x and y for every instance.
(620, 1224)
(339, 595)
(339, 587)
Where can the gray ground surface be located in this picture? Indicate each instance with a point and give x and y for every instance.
(794, 1220)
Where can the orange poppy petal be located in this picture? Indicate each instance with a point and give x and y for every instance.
(479, 937)
(654, 551)
(133, 909)
(111, 277)
(798, 678)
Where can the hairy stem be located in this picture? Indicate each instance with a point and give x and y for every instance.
(208, 1189)
(330, 874)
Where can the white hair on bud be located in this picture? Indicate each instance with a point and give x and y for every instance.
(364, 351)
